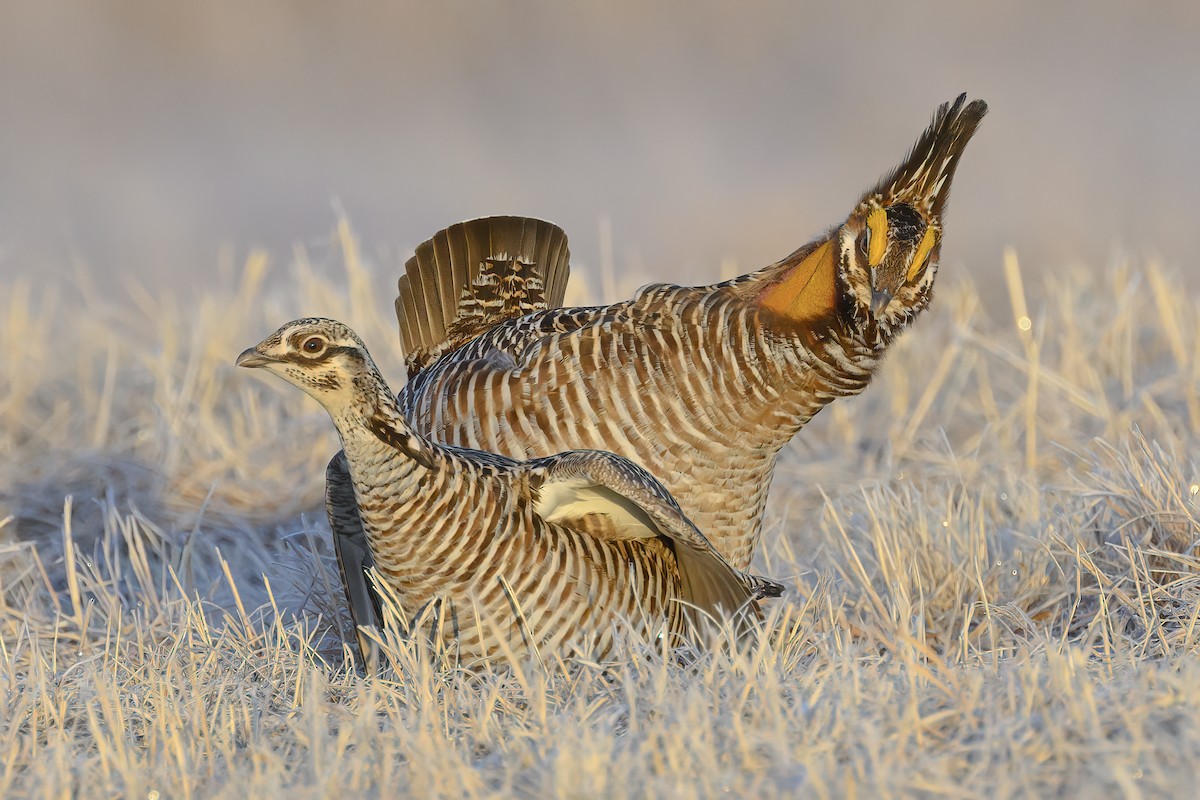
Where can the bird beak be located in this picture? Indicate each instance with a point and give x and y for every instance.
(879, 301)
(252, 358)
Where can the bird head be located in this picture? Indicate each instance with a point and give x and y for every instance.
(321, 356)
(888, 248)
(878, 267)
(887, 260)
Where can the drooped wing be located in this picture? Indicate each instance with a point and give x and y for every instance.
(354, 557)
(572, 487)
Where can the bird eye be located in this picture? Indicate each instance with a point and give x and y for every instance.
(313, 344)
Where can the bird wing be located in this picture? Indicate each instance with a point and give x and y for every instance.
(572, 487)
(473, 275)
(554, 349)
(353, 555)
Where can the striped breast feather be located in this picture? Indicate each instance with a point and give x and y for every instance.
(467, 278)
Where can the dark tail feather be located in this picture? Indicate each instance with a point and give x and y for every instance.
(353, 556)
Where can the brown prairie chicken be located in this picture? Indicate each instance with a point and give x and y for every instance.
(544, 556)
(700, 385)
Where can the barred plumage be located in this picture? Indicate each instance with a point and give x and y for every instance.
(544, 556)
(701, 385)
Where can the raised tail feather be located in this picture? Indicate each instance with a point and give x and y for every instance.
(470, 276)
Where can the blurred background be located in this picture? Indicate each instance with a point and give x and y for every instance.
(151, 139)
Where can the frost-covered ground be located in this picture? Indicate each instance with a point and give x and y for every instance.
(991, 554)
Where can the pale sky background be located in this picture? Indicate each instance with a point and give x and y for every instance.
(144, 137)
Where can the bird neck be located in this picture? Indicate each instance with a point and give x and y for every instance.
(374, 418)
(807, 296)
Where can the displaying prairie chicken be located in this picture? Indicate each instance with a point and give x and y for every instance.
(700, 385)
(544, 556)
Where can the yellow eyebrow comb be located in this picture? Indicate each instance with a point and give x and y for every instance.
(923, 250)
